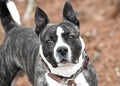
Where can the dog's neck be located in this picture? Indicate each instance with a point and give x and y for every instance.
(70, 80)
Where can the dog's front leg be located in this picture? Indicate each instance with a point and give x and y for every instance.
(41, 82)
(40, 74)
(40, 79)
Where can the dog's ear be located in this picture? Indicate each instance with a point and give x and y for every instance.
(41, 20)
(69, 14)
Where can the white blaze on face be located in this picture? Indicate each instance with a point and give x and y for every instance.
(61, 43)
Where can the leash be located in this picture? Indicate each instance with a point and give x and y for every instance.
(70, 81)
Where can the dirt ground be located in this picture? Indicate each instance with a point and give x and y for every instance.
(100, 28)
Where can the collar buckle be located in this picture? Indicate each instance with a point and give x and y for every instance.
(68, 82)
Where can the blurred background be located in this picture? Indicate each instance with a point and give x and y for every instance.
(100, 29)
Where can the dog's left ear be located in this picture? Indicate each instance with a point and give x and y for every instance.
(41, 20)
(69, 14)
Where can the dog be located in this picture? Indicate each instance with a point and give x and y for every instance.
(52, 55)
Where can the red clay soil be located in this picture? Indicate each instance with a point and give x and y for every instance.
(100, 29)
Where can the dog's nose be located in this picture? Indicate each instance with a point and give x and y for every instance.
(62, 51)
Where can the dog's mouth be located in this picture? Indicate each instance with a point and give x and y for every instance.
(64, 61)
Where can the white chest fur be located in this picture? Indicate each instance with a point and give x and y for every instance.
(80, 81)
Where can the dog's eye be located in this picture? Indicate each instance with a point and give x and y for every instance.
(71, 36)
(50, 42)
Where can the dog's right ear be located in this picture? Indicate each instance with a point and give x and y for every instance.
(41, 20)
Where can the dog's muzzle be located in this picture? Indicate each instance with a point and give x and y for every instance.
(70, 81)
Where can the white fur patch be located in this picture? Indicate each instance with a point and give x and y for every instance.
(13, 11)
(51, 82)
(61, 43)
(80, 81)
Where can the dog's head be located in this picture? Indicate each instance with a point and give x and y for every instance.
(61, 46)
